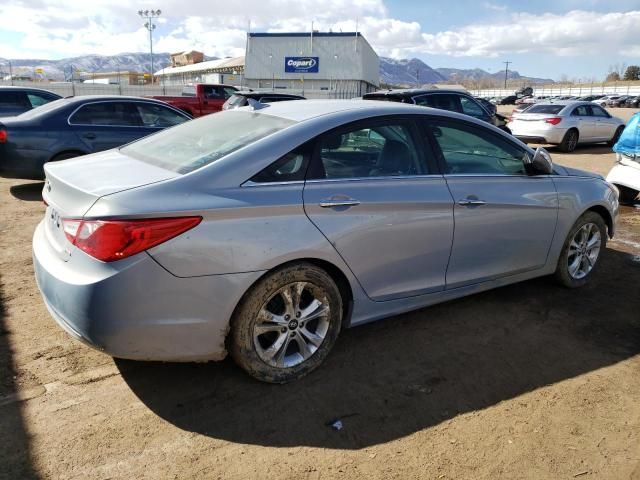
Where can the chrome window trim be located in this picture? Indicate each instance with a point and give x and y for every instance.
(120, 101)
(364, 179)
(251, 183)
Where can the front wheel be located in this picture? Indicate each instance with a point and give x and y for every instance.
(581, 250)
(286, 325)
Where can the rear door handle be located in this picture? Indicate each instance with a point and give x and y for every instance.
(339, 202)
(89, 136)
(470, 202)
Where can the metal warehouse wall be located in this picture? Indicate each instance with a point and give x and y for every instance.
(341, 57)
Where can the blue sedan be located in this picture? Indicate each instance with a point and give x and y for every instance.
(71, 127)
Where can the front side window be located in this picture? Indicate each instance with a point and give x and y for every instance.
(599, 111)
(471, 150)
(158, 116)
(380, 150)
(199, 142)
(471, 108)
(38, 100)
(14, 99)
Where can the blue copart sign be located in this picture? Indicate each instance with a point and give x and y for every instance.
(301, 64)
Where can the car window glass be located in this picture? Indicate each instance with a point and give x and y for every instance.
(471, 150)
(14, 99)
(599, 111)
(439, 100)
(112, 114)
(158, 116)
(551, 109)
(290, 167)
(471, 108)
(37, 100)
(211, 92)
(228, 91)
(581, 111)
(377, 151)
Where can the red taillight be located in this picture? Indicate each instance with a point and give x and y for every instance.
(3, 136)
(110, 240)
(553, 121)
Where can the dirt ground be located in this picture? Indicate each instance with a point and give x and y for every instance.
(529, 381)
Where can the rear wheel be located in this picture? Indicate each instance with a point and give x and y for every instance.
(627, 195)
(581, 251)
(286, 325)
(569, 141)
(616, 136)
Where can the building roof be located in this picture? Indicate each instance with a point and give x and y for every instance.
(209, 66)
(306, 34)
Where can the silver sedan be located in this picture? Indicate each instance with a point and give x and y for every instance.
(264, 231)
(566, 124)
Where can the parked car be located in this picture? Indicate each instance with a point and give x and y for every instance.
(566, 124)
(488, 106)
(17, 100)
(241, 98)
(508, 100)
(452, 100)
(200, 99)
(632, 102)
(76, 126)
(604, 101)
(618, 102)
(522, 107)
(245, 231)
(625, 174)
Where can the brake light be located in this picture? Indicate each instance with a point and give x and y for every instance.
(554, 120)
(3, 136)
(110, 240)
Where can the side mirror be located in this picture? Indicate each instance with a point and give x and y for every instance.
(541, 162)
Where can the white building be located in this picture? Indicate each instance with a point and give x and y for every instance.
(225, 70)
(318, 64)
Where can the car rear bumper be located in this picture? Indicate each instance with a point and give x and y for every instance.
(135, 309)
(535, 134)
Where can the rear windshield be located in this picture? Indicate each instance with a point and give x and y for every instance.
(551, 109)
(197, 143)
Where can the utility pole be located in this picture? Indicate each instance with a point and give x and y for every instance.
(149, 15)
(418, 77)
(506, 73)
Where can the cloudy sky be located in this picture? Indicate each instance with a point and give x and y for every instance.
(545, 38)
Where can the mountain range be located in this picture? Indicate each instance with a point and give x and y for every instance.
(405, 72)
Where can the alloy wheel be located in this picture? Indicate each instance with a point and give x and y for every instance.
(292, 325)
(584, 251)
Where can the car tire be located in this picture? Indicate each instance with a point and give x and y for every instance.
(616, 136)
(569, 141)
(627, 195)
(269, 337)
(581, 251)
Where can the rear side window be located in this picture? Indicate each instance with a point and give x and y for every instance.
(109, 114)
(11, 99)
(379, 150)
(549, 109)
(158, 116)
(441, 101)
(470, 150)
(291, 167)
(581, 111)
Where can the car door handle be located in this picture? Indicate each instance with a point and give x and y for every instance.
(470, 202)
(339, 202)
(89, 136)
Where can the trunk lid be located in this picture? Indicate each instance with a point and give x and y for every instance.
(73, 186)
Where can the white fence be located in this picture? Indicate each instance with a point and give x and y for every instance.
(67, 89)
(550, 90)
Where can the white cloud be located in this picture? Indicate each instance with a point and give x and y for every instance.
(56, 28)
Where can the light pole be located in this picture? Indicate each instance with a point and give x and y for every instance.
(506, 73)
(149, 15)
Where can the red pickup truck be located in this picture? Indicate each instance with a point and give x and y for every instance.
(200, 99)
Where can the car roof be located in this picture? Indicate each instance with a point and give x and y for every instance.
(412, 92)
(253, 93)
(94, 98)
(27, 89)
(301, 111)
